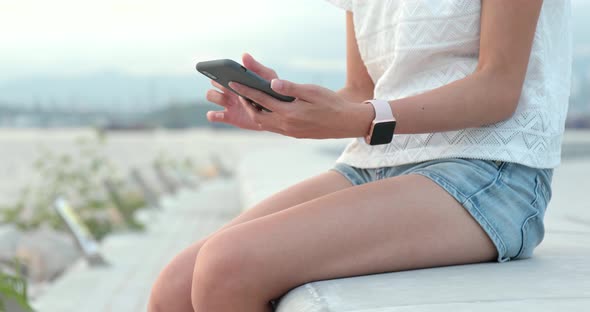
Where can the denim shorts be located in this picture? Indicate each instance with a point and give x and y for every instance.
(507, 199)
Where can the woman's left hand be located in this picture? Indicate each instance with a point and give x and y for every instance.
(316, 113)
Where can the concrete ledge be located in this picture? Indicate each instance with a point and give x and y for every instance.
(557, 277)
(265, 171)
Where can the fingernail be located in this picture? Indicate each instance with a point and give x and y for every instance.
(276, 84)
(219, 115)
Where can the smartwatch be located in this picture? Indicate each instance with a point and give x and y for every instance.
(383, 125)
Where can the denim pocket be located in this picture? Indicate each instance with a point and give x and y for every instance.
(491, 165)
(533, 229)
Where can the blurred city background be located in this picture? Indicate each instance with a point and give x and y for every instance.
(130, 64)
(94, 92)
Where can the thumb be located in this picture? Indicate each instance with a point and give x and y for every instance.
(255, 66)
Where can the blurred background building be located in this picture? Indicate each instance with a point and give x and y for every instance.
(132, 63)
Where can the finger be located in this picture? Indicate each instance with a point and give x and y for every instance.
(216, 116)
(265, 120)
(255, 66)
(252, 112)
(217, 85)
(220, 87)
(218, 98)
(258, 97)
(307, 92)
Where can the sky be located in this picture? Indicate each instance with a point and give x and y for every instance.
(82, 52)
(72, 37)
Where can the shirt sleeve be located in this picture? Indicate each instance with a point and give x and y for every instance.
(344, 4)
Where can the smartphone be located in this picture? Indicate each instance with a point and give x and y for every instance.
(223, 71)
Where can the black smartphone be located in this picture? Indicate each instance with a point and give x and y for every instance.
(225, 70)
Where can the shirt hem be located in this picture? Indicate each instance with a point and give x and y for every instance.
(405, 157)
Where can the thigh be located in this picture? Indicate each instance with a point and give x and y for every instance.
(175, 280)
(398, 223)
(311, 188)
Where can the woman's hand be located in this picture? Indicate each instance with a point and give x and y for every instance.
(316, 113)
(235, 112)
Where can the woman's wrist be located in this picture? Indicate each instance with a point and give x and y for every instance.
(357, 120)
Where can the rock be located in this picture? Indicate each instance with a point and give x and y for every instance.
(9, 236)
(46, 253)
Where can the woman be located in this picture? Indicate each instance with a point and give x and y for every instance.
(479, 92)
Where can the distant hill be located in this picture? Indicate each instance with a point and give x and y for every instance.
(127, 93)
(181, 115)
(107, 90)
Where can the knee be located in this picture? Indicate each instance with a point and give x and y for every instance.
(171, 290)
(157, 299)
(221, 269)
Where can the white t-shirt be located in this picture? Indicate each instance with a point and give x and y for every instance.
(412, 46)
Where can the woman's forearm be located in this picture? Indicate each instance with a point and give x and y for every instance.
(484, 97)
(492, 92)
(479, 99)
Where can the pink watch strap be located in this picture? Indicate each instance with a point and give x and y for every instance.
(383, 113)
(382, 110)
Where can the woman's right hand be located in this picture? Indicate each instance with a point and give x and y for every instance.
(235, 112)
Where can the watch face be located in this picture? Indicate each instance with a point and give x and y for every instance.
(382, 132)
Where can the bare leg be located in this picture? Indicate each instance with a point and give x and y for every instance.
(399, 223)
(172, 289)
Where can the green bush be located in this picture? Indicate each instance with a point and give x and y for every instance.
(79, 177)
(13, 287)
